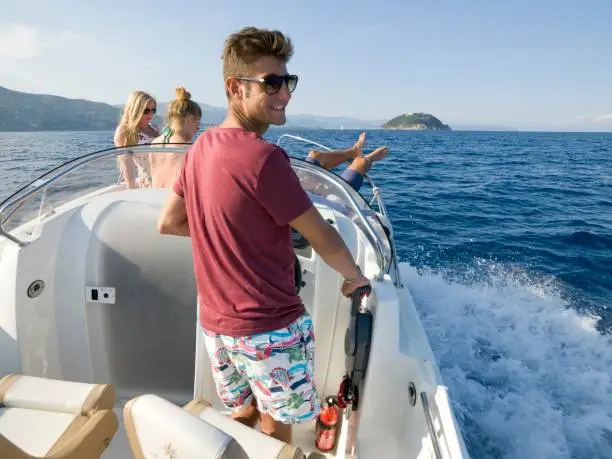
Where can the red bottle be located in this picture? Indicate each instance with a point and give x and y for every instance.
(327, 426)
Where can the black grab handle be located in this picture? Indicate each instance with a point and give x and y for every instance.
(357, 295)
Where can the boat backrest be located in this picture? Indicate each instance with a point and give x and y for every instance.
(255, 443)
(157, 428)
(42, 417)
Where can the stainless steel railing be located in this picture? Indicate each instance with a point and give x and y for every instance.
(430, 425)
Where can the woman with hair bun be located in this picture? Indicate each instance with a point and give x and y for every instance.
(182, 123)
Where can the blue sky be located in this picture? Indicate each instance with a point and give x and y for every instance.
(539, 64)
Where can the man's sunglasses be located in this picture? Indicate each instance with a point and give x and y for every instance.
(273, 83)
(150, 110)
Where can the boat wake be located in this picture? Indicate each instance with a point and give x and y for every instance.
(528, 375)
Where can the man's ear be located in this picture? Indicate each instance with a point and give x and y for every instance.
(233, 88)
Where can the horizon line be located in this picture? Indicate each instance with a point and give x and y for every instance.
(503, 128)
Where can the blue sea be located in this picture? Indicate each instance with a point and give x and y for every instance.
(505, 240)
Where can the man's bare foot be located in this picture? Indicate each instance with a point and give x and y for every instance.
(360, 141)
(275, 429)
(378, 154)
(249, 415)
(356, 150)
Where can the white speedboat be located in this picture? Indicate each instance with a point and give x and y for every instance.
(94, 301)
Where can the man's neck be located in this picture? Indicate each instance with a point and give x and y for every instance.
(237, 119)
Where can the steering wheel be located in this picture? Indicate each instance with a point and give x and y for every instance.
(297, 240)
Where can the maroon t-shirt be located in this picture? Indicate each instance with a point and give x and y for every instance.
(241, 193)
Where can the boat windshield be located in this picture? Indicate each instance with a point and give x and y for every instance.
(23, 213)
(326, 188)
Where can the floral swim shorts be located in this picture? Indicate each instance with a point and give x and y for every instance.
(276, 368)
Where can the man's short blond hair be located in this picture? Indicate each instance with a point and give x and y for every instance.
(242, 48)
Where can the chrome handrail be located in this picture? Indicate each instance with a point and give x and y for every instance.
(430, 425)
(297, 137)
(375, 189)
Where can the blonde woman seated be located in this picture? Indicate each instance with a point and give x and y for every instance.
(183, 122)
(135, 128)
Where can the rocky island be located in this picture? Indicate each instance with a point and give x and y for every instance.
(416, 122)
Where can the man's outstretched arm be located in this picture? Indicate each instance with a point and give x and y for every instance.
(328, 244)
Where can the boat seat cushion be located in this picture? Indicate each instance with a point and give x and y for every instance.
(42, 417)
(255, 443)
(157, 428)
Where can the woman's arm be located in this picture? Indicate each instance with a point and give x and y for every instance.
(125, 162)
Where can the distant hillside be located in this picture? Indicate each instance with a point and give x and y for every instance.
(21, 111)
(214, 115)
(331, 122)
(416, 122)
(210, 114)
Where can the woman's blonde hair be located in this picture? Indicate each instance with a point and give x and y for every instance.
(182, 106)
(132, 114)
